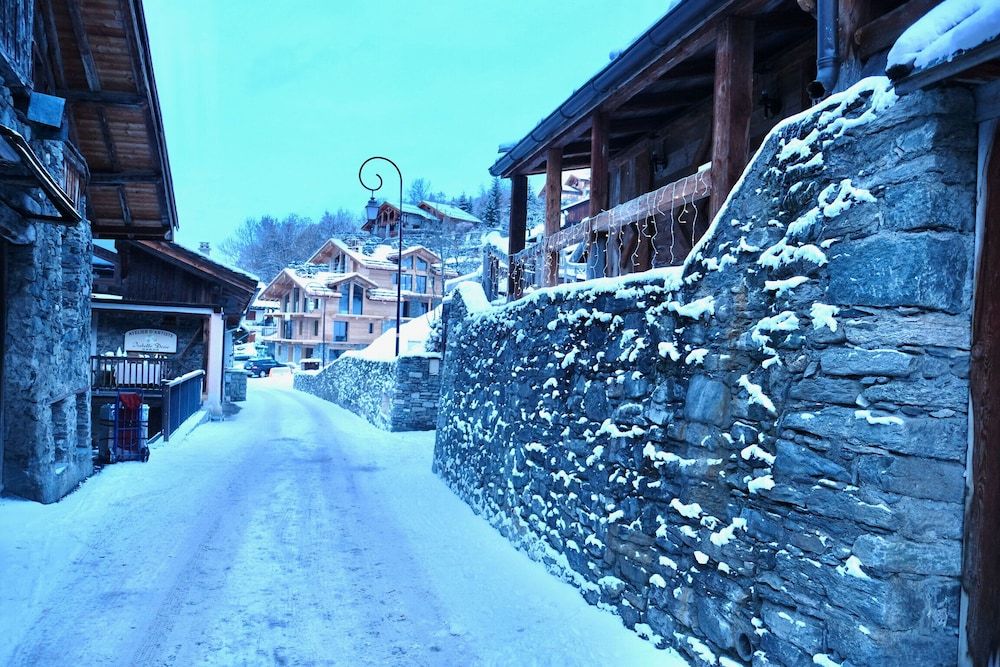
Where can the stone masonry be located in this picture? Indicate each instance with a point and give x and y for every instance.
(397, 395)
(758, 460)
(46, 385)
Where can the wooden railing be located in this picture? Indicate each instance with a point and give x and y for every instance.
(641, 209)
(110, 373)
(16, 25)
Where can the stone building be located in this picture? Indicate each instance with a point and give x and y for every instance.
(771, 438)
(81, 154)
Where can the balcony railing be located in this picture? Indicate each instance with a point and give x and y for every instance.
(531, 266)
(16, 26)
(108, 373)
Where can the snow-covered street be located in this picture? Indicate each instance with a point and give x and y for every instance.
(293, 533)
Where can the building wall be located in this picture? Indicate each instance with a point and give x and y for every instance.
(46, 426)
(398, 395)
(764, 460)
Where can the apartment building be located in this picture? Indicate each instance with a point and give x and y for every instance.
(342, 298)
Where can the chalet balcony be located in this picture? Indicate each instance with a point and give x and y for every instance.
(110, 374)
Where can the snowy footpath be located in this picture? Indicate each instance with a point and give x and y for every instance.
(293, 533)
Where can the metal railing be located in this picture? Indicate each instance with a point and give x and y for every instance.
(181, 399)
(110, 373)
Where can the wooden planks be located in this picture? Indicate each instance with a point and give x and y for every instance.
(882, 33)
(733, 106)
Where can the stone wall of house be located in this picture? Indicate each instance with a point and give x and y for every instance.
(758, 459)
(46, 385)
(190, 329)
(397, 395)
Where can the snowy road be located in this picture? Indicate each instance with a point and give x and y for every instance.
(294, 533)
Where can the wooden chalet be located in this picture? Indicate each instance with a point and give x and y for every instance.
(171, 293)
(343, 298)
(667, 127)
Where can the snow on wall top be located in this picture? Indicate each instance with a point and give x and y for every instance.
(951, 28)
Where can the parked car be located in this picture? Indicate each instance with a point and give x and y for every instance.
(262, 366)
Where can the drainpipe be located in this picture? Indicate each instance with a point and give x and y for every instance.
(827, 50)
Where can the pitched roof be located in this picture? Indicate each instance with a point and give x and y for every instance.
(447, 210)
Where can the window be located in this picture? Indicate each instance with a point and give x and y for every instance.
(395, 278)
(315, 327)
(422, 284)
(433, 282)
(371, 327)
(340, 332)
(345, 298)
(295, 299)
(387, 325)
(307, 353)
(407, 281)
(408, 263)
(421, 265)
(358, 302)
(300, 327)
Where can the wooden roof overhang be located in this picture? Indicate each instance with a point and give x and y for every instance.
(666, 74)
(101, 66)
(237, 289)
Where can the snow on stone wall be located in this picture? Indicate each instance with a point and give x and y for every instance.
(762, 462)
(396, 395)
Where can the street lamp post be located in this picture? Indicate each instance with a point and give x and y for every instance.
(371, 211)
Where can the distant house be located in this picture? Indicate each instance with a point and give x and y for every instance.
(343, 298)
(426, 216)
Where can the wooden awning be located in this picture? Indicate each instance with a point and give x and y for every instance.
(101, 64)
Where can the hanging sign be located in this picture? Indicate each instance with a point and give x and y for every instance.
(150, 340)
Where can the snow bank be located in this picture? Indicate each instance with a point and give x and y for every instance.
(412, 337)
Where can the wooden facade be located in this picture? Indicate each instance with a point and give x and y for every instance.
(667, 138)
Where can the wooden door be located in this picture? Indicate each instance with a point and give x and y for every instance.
(981, 567)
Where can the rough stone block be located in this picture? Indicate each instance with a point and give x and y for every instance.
(891, 270)
(857, 362)
(707, 401)
(895, 555)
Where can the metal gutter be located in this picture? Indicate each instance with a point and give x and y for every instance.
(666, 32)
(922, 78)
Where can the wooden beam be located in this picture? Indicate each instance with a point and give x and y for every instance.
(106, 98)
(598, 163)
(517, 231)
(553, 211)
(126, 211)
(882, 33)
(733, 105)
(123, 177)
(83, 46)
(55, 51)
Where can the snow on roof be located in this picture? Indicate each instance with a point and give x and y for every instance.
(451, 211)
(264, 304)
(946, 31)
(225, 265)
(412, 338)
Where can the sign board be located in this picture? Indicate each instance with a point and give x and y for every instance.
(150, 340)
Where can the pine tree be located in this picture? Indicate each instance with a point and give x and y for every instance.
(464, 203)
(492, 213)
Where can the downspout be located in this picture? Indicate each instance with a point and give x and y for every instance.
(827, 50)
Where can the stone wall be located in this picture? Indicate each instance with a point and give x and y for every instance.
(398, 395)
(46, 383)
(757, 459)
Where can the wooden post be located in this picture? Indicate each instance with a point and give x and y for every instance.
(516, 234)
(553, 211)
(599, 184)
(733, 104)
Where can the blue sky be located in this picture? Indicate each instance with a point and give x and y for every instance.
(270, 106)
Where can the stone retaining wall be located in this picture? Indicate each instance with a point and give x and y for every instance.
(760, 460)
(398, 395)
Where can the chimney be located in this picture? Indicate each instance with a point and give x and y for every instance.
(204, 248)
